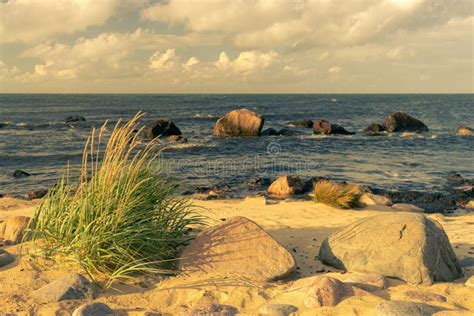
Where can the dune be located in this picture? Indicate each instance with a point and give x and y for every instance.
(300, 226)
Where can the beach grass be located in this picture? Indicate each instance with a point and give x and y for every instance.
(119, 218)
(338, 195)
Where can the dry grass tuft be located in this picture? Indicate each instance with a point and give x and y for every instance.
(339, 195)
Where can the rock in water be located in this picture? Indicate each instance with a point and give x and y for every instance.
(402, 122)
(74, 118)
(404, 245)
(237, 247)
(70, 287)
(286, 185)
(20, 174)
(269, 132)
(5, 258)
(12, 229)
(239, 123)
(374, 128)
(93, 309)
(327, 128)
(37, 194)
(306, 123)
(161, 128)
(463, 130)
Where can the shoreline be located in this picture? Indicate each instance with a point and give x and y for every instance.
(299, 226)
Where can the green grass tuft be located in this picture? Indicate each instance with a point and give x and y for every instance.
(339, 195)
(119, 218)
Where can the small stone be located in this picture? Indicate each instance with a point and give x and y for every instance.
(70, 287)
(277, 309)
(399, 308)
(93, 309)
(5, 258)
(469, 205)
(74, 118)
(213, 309)
(374, 199)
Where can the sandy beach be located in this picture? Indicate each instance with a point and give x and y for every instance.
(300, 226)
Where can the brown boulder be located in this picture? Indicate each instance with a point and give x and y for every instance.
(286, 185)
(239, 123)
(464, 131)
(328, 128)
(13, 228)
(237, 247)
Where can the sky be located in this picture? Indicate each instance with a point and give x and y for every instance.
(236, 46)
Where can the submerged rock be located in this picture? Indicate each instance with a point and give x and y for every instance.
(269, 132)
(20, 174)
(327, 128)
(74, 118)
(402, 122)
(13, 228)
(161, 128)
(375, 129)
(69, 287)
(239, 123)
(404, 245)
(306, 123)
(463, 130)
(237, 247)
(286, 185)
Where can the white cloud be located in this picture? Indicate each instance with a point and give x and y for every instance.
(266, 24)
(36, 20)
(6, 72)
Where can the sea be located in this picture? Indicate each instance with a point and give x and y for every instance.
(35, 138)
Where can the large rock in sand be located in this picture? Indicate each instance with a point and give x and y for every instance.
(402, 122)
(12, 229)
(239, 123)
(286, 185)
(237, 247)
(404, 245)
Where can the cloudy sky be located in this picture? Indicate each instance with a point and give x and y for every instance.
(239, 46)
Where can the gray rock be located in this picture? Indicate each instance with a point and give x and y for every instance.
(70, 287)
(277, 309)
(20, 174)
(402, 122)
(328, 128)
(404, 245)
(399, 308)
(5, 258)
(93, 309)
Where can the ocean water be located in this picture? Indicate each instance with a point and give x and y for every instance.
(34, 138)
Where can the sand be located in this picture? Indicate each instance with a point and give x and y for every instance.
(300, 226)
